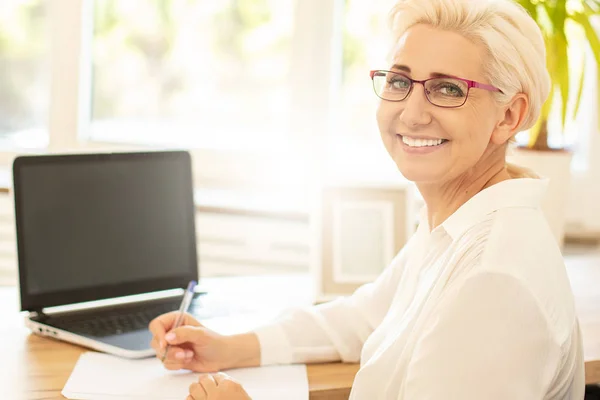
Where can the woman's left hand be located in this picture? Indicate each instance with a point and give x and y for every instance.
(217, 386)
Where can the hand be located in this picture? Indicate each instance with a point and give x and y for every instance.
(196, 348)
(217, 387)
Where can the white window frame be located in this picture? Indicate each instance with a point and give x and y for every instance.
(313, 61)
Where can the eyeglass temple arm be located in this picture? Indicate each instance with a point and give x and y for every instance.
(471, 83)
(484, 86)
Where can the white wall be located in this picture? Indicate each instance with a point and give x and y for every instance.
(583, 212)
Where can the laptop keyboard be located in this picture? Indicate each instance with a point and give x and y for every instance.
(113, 321)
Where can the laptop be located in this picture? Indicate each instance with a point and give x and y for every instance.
(106, 243)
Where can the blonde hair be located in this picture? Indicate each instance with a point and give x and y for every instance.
(511, 39)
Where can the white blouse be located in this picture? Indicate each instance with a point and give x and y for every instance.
(478, 308)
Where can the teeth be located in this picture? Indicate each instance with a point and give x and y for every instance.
(421, 142)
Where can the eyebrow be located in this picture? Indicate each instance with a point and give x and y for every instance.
(432, 75)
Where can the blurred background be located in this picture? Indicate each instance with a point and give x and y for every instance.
(268, 95)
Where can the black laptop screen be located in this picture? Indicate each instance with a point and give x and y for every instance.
(104, 225)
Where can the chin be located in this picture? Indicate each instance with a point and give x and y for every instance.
(418, 174)
(419, 178)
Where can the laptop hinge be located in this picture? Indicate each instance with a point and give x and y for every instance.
(38, 314)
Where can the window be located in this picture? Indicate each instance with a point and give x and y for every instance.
(250, 85)
(24, 74)
(200, 74)
(366, 43)
(576, 132)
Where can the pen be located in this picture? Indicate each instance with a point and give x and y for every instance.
(185, 304)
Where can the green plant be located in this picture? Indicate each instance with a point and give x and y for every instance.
(556, 19)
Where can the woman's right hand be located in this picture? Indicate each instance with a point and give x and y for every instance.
(197, 348)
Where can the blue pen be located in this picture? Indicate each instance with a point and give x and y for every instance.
(185, 304)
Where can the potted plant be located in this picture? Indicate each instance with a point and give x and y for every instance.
(563, 23)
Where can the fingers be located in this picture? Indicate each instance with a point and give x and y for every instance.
(158, 346)
(184, 334)
(208, 383)
(205, 388)
(162, 324)
(155, 345)
(175, 366)
(158, 328)
(179, 365)
(227, 383)
(177, 358)
(220, 377)
(188, 319)
(159, 325)
(197, 391)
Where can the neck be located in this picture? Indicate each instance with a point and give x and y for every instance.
(444, 199)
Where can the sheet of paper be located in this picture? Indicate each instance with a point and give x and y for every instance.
(101, 376)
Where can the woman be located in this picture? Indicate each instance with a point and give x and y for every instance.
(477, 305)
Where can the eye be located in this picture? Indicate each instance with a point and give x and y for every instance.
(398, 82)
(448, 88)
(451, 90)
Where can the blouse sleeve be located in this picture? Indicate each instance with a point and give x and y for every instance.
(489, 340)
(335, 330)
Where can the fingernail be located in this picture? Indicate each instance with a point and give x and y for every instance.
(170, 336)
(180, 355)
(189, 354)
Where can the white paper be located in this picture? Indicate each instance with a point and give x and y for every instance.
(99, 376)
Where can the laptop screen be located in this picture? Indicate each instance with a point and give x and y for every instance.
(94, 226)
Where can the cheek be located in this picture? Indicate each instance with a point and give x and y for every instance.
(383, 121)
(471, 135)
(482, 117)
(467, 128)
(386, 115)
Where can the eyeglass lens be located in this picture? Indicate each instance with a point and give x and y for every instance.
(443, 92)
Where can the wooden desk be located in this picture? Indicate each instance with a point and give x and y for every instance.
(35, 368)
(43, 366)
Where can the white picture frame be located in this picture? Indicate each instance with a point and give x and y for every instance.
(350, 219)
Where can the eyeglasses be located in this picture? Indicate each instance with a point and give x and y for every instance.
(447, 92)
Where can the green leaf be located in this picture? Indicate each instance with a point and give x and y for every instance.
(590, 33)
(598, 90)
(530, 7)
(589, 11)
(559, 18)
(544, 114)
(547, 106)
(545, 19)
(562, 73)
(580, 89)
(557, 15)
(594, 42)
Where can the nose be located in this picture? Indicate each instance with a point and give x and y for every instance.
(415, 108)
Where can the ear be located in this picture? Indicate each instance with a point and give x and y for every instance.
(511, 119)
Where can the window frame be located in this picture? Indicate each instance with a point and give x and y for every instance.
(313, 60)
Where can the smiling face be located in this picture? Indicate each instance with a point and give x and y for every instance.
(430, 143)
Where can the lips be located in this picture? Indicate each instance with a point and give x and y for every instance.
(420, 151)
(422, 141)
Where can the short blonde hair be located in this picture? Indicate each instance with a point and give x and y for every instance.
(513, 42)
